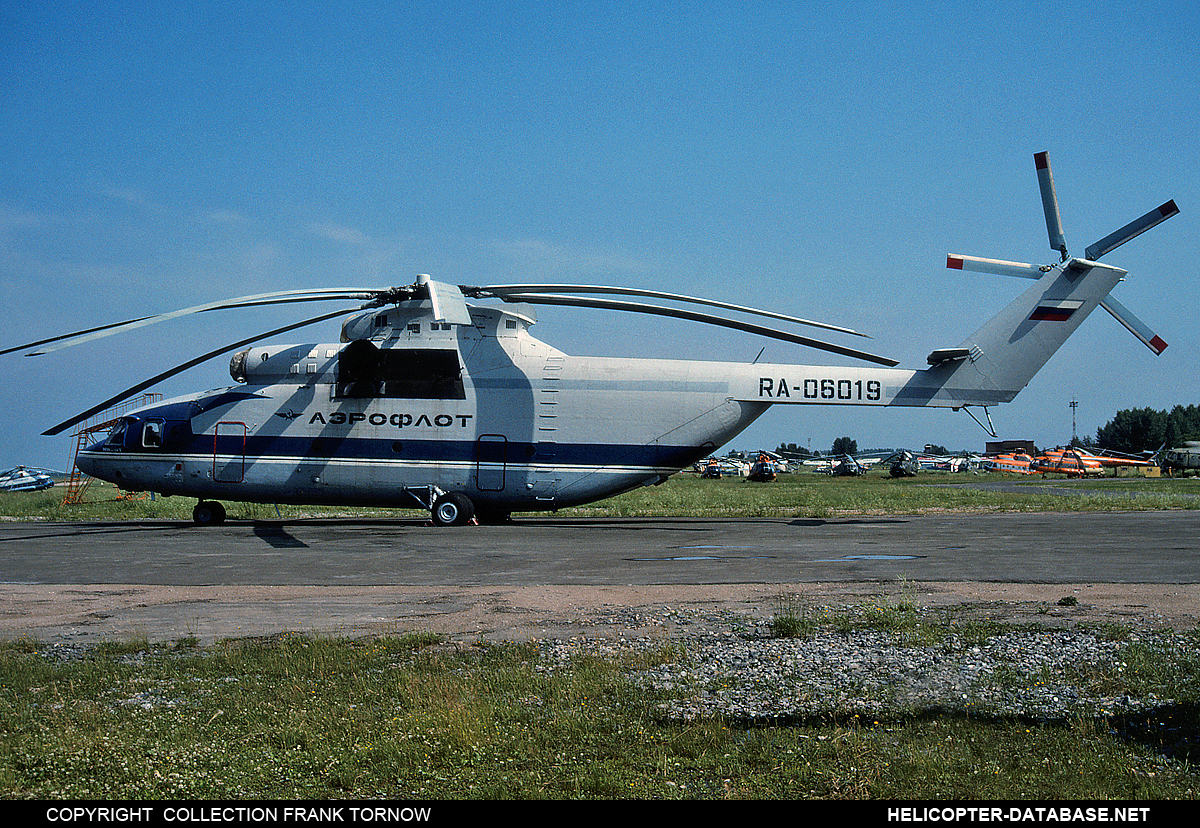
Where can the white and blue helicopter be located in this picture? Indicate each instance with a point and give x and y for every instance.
(25, 479)
(429, 401)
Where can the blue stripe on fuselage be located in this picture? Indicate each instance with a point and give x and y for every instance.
(331, 447)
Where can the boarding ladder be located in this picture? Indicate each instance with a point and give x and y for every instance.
(85, 435)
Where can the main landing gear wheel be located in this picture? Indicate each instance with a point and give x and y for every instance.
(453, 509)
(208, 513)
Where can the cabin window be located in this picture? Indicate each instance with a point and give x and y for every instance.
(367, 371)
(152, 434)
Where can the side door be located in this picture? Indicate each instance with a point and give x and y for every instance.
(491, 462)
(229, 452)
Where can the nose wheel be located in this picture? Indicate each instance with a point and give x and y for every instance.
(208, 513)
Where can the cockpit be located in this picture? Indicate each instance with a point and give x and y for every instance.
(146, 433)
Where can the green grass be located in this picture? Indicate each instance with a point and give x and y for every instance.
(303, 717)
(821, 496)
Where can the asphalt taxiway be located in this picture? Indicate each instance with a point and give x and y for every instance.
(167, 579)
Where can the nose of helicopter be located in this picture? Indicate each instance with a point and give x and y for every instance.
(86, 462)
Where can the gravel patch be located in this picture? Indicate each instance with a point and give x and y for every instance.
(733, 666)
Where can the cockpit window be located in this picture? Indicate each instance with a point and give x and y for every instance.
(116, 437)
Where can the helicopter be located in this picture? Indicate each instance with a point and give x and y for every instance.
(24, 479)
(1066, 461)
(433, 402)
(1010, 462)
(1181, 458)
(902, 463)
(847, 465)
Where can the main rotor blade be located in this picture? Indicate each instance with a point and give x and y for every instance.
(505, 290)
(679, 313)
(280, 297)
(1135, 228)
(1134, 325)
(68, 336)
(1050, 204)
(142, 386)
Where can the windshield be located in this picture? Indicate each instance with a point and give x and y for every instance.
(116, 437)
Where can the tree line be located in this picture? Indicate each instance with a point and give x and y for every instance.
(842, 445)
(1134, 430)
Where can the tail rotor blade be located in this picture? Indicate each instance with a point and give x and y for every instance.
(1050, 204)
(1134, 325)
(1135, 228)
(994, 266)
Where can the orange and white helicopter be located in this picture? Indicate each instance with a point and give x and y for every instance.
(1013, 463)
(1068, 461)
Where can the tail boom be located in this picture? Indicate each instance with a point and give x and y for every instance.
(989, 367)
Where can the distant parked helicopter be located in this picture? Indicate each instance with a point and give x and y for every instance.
(1066, 461)
(1183, 458)
(847, 465)
(23, 479)
(431, 402)
(1114, 460)
(902, 464)
(762, 470)
(1015, 463)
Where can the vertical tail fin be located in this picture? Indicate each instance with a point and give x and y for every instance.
(1000, 358)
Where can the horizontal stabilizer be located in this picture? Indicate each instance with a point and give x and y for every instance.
(947, 355)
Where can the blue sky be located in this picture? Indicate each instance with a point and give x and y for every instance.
(819, 159)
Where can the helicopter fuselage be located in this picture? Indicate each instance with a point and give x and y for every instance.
(486, 410)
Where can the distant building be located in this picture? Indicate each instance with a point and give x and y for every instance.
(1011, 447)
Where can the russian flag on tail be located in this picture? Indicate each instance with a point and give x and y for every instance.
(1054, 310)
